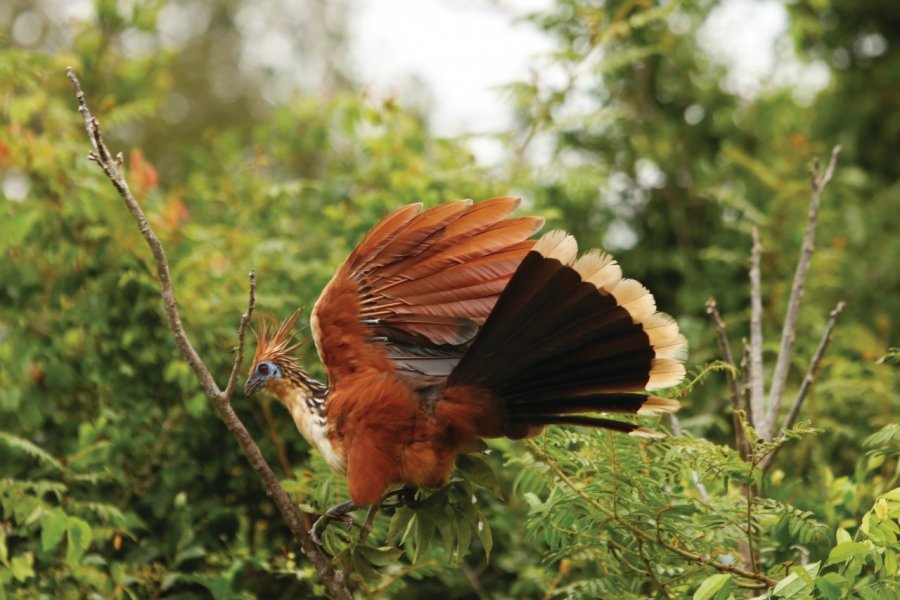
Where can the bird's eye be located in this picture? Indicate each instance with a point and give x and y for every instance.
(263, 368)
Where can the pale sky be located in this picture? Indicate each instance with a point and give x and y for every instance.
(459, 49)
(452, 54)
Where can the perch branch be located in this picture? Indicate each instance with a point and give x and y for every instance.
(740, 439)
(808, 378)
(818, 181)
(221, 400)
(757, 394)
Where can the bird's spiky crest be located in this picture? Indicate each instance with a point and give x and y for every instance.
(275, 344)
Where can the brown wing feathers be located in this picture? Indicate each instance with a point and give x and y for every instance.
(411, 237)
(428, 280)
(573, 336)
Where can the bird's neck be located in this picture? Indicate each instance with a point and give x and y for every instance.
(306, 400)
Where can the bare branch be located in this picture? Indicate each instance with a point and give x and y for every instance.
(818, 181)
(757, 393)
(740, 440)
(808, 378)
(111, 167)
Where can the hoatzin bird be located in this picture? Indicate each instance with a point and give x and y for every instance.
(448, 326)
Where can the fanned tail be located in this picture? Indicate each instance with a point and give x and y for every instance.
(570, 336)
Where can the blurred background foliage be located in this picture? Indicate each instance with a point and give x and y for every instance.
(116, 478)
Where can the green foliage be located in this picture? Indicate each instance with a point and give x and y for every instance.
(118, 480)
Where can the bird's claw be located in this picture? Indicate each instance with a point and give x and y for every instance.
(340, 513)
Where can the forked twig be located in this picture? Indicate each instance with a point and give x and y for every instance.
(818, 181)
(221, 400)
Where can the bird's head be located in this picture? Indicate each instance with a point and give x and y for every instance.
(273, 364)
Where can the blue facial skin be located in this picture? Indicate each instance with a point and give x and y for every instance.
(264, 371)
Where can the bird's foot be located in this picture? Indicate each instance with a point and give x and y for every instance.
(339, 512)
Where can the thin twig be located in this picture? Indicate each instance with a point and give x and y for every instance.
(818, 181)
(366, 529)
(814, 365)
(749, 490)
(808, 378)
(242, 330)
(221, 400)
(740, 439)
(757, 393)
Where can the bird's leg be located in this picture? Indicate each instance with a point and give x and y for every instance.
(338, 512)
(400, 497)
(367, 526)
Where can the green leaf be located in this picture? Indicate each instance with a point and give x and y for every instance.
(842, 535)
(447, 527)
(354, 560)
(790, 587)
(832, 586)
(893, 495)
(477, 470)
(484, 534)
(380, 557)
(424, 531)
(881, 508)
(891, 358)
(399, 527)
(169, 580)
(464, 534)
(712, 585)
(53, 527)
(79, 537)
(31, 449)
(808, 572)
(890, 562)
(4, 550)
(847, 550)
(22, 567)
(190, 554)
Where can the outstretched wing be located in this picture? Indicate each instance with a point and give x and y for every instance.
(414, 292)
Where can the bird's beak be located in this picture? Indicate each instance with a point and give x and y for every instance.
(253, 385)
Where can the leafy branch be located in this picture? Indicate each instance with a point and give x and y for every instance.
(221, 399)
(756, 579)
